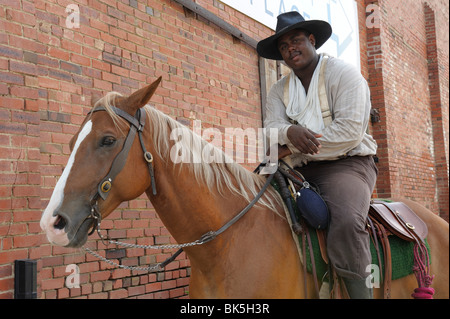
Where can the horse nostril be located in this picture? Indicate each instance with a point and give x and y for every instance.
(60, 223)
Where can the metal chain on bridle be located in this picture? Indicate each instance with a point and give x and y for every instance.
(136, 125)
(157, 267)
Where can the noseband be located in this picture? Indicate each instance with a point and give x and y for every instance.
(137, 124)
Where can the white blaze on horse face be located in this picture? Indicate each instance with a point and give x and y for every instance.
(59, 236)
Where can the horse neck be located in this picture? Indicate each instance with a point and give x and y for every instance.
(187, 207)
(188, 210)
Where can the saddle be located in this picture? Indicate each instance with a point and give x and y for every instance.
(385, 218)
(399, 220)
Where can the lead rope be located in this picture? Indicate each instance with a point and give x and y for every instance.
(157, 267)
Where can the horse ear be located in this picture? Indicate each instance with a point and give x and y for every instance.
(94, 98)
(139, 98)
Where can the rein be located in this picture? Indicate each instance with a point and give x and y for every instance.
(137, 125)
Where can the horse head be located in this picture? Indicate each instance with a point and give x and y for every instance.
(67, 218)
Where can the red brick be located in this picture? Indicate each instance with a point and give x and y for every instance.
(11, 27)
(30, 45)
(134, 291)
(118, 294)
(6, 284)
(29, 241)
(80, 59)
(52, 283)
(11, 78)
(178, 292)
(8, 256)
(100, 276)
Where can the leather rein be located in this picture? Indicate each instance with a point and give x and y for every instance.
(104, 186)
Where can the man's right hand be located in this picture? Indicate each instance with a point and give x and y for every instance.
(304, 139)
(281, 151)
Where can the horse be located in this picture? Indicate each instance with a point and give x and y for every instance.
(256, 257)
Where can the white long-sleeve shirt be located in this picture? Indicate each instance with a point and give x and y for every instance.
(348, 97)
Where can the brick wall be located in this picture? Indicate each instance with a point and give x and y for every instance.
(439, 112)
(408, 66)
(48, 72)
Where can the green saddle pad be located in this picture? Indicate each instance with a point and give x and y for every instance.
(402, 256)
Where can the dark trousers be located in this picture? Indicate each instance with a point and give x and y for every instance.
(346, 185)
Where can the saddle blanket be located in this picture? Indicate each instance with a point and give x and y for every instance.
(402, 256)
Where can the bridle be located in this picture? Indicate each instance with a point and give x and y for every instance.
(104, 186)
(137, 124)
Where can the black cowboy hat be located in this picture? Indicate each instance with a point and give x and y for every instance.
(288, 21)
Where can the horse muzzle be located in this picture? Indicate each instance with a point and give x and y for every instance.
(65, 230)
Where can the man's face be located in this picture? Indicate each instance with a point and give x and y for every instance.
(297, 49)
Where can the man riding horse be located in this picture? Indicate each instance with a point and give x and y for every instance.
(322, 110)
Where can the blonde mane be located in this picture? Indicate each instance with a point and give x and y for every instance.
(220, 174)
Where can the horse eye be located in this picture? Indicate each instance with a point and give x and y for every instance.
(108, 141)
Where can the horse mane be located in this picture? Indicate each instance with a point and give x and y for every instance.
(217, 174)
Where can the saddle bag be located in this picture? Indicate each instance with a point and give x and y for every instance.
(312, 207)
